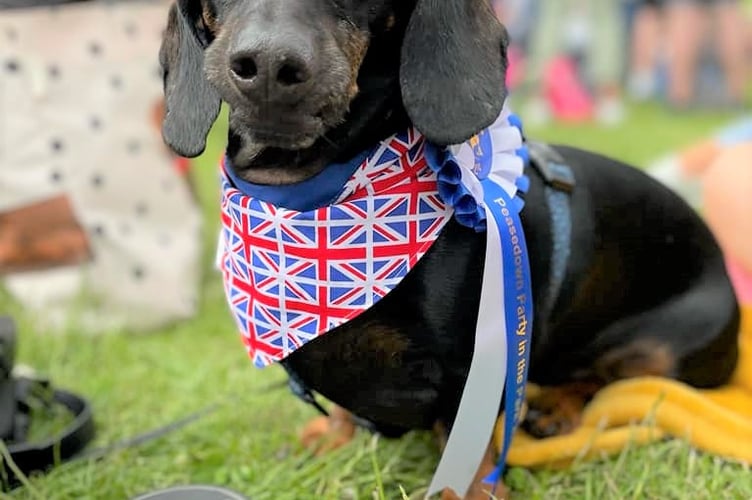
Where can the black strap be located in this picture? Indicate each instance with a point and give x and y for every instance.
(304, 393)
(40, 456)
(20, 396)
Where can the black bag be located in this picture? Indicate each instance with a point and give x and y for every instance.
(19, 394)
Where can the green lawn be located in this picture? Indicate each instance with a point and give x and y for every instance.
(138, 382)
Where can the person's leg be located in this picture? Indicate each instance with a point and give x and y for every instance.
(748, 31)
(645, 44)
(685, 31)
(545, 42)
(732, 47)
(606, 57)
(545, 39)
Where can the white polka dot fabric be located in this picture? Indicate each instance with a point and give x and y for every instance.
(78, 87)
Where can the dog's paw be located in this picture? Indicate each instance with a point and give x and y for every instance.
(554, 411)
(479, 491)
(324, 434)
(547, 423)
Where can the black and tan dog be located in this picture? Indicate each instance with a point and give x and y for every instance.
(311, 82)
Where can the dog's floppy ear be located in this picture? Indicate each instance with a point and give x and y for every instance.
(192, 104)
(453, 68)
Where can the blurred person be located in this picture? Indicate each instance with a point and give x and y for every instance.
(591, 28)
(646, 41)
(518, 16)
(686, 27)
(747, 6)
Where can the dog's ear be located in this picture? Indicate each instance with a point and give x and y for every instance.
(191, 104)
(453, 68)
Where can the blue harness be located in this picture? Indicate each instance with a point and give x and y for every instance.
(559, 183)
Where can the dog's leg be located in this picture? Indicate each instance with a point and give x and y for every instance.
(478, 490)
(557, 410)
(324, 434)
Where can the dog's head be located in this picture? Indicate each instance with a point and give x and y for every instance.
(303, 76)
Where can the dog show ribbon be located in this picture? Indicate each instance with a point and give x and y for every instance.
(503, 330)
(298, 261)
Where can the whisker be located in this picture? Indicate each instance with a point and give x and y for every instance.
(331, 142)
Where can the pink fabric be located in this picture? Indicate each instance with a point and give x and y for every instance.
(516, 68)
(568, 98)
(742, 280)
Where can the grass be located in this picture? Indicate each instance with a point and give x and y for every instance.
(248, 442)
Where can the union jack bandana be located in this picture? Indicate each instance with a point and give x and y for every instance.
(290, 275)
(294, 270)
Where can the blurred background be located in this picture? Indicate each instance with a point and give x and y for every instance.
(581, 60)
(107, 239)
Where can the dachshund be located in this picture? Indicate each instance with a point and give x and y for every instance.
(309, 83)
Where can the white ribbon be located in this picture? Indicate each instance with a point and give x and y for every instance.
(479, 406)
(481, 397)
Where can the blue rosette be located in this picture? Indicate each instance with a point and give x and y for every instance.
(498, 152)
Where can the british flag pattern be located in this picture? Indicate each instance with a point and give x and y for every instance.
(292, 276)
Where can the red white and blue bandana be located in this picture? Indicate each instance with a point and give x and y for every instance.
(290, 276)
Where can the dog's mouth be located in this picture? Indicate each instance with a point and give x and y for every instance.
(277, 149)
(290, 132)
(281, 144)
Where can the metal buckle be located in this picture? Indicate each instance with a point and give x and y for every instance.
(551, 167)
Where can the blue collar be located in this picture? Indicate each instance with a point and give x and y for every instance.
(319, 191)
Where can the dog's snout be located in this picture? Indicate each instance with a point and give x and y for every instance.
(244, 66)
(283, 69)
(274, 70)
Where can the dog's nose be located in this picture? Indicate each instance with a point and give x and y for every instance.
(271, 71)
